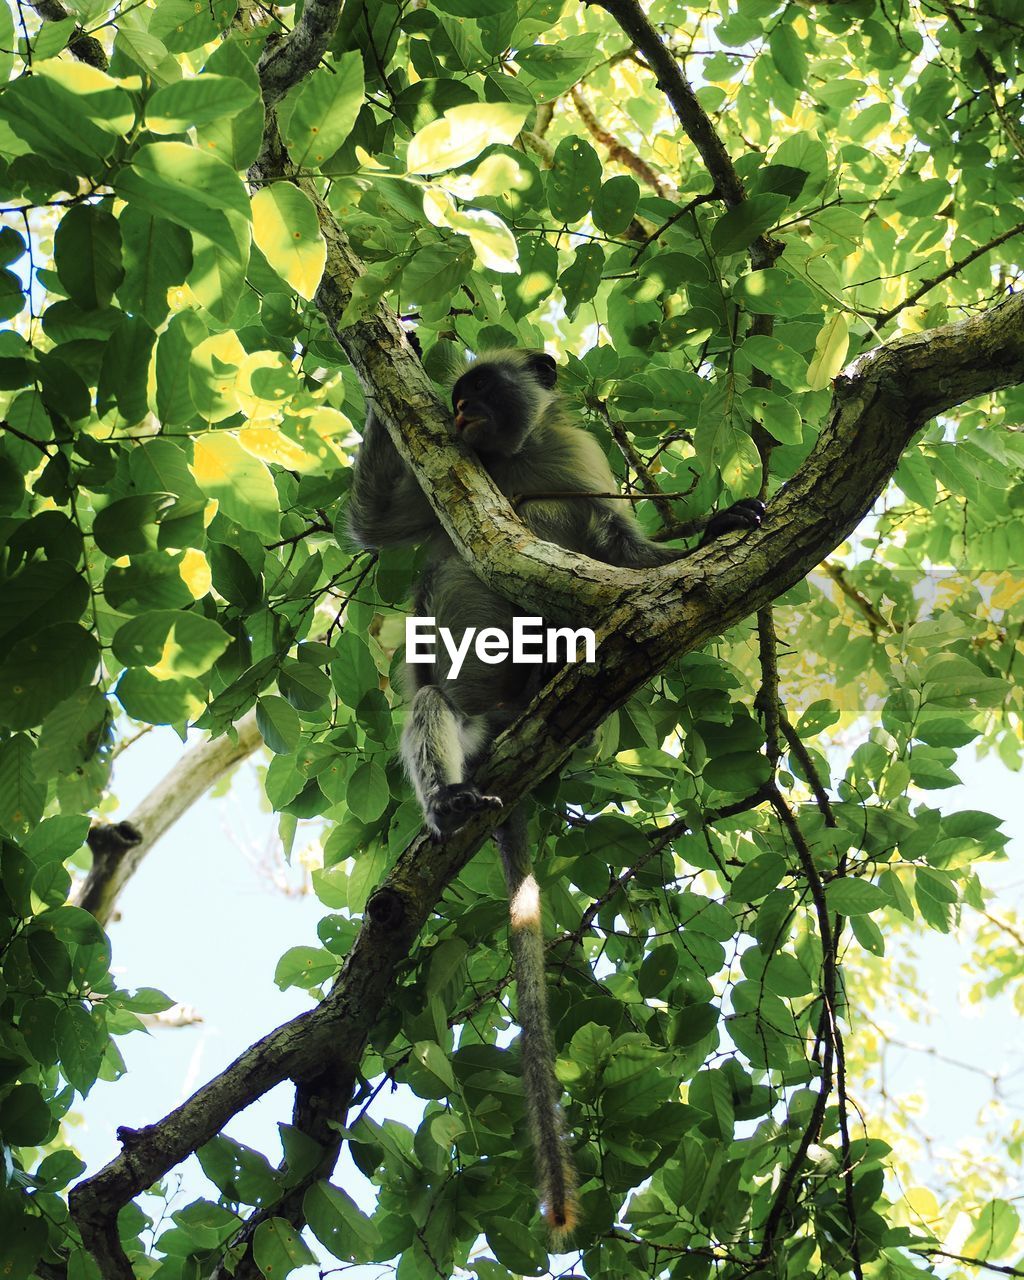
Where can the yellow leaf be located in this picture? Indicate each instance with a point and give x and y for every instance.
(195, 572)
(286, 229)
(461, 134)
(272, 445)
(830, 348)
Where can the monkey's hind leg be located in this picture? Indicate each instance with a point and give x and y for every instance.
(435, 742)
(541, 1089)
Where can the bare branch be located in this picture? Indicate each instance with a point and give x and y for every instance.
(193, 775)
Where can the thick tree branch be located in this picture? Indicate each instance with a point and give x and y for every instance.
(193, 775)
(287, 59)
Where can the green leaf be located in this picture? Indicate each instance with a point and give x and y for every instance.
(574, 179)
(774, 357)
(522, 1252)
(71, 732)
(80, 1045)
(68, 114)
(157, 257)
(305, 967)
(154, 701)
(22, 796)
(548, 70)
(174, 403)
(850, 896)
(171, 642)
(738, 771)
(278, 1249)
(241, 484)
(461, 134)
(995, 1229)
(129, 525)
(286, 229)
(830, 348)
(779, 416)
(788, 54)
(615, 204)
(581, 279)
(353, 670)
(761, 874)
(25, 1119)
(775, 292)
(87, 254)
(278, 723)
(538, 271)
(184, 104)
(218, 279)
(368, 792)
(43, 670)
(658, 970)
(199, 192)
(740, 226)
(318, 115)
(241, 1173)
(339, 1224)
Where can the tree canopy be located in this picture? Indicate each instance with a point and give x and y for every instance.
(776, 249)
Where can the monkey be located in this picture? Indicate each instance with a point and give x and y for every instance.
(506, 408)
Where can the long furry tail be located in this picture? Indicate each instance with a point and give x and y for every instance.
(554, 1167)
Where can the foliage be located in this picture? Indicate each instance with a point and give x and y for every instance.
(179, 424)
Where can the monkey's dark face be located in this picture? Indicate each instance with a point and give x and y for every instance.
(500, 399)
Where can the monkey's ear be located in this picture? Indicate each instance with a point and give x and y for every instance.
(543, 368)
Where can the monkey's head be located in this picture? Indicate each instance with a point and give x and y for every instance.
(500, 399)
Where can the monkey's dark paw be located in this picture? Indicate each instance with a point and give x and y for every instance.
(745, 514)
(449, 807)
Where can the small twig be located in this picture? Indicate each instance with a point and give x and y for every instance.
(796, 746)
(629, 451)
(875, 620)
(883, 317)
(1002, 1268)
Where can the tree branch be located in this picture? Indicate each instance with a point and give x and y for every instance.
(695, 120)
(82, 46)
(193, 775)
(286, 59)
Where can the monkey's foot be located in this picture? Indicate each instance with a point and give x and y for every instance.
(449, 807)
(745, 514)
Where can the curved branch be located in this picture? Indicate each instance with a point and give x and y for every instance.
(193, 775)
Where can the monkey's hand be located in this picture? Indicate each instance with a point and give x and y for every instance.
(449, 807)
(745, 514)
